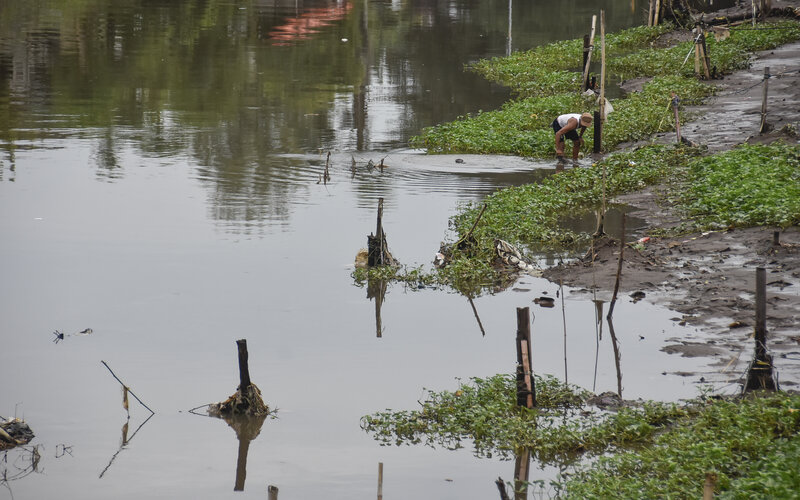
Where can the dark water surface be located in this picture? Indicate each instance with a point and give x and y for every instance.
(159, 184)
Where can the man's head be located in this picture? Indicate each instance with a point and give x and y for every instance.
(586, 119)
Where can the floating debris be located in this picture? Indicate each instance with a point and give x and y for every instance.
(14, 432)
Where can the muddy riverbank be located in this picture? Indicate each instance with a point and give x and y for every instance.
(709, 278)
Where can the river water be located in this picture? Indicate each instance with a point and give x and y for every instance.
(160, 184)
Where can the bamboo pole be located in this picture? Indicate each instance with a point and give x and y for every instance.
(657, 13)
(589, 56)
(706, 59)
(602, 66)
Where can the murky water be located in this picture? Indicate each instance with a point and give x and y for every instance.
(160, 184)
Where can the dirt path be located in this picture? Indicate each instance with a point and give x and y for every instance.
(709, 278)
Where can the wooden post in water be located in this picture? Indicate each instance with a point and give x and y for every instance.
(272, 492)
(776, 238)
(675, 102)
(761, 313)
(763, 127)
(587, 55)
(526, 386)
(759, 376)
(244, 370)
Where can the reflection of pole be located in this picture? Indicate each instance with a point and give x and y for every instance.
(241, 464)
(526, 386)
(521, 473)
(380, 480)
(617, 355)
(619, 269)
(564, 320)
(475, 312)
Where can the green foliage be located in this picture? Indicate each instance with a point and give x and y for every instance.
(485, 412)
(547, 80)
(748, 186)
(745, 442)
(529, 215)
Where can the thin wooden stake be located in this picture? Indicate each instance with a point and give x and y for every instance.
(588, 60)
(657, 13)
(619, 270)
(761, 313)
(126, 387)
(763, 127)
(675, 101)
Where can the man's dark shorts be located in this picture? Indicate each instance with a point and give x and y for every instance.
(571, 135)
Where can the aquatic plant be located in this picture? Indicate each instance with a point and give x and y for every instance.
(752, 185)
(650, 450)
(484, 413)
(749, 443)
(547, 83)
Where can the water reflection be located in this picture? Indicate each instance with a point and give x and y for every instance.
(376, 289)
(124, 441)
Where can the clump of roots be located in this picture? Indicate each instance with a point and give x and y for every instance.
(242, 402)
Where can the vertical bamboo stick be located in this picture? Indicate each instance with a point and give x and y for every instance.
(588, 61)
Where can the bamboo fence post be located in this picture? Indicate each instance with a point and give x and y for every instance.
(706, 58)
(657, 13)
(763, 127)
(602, 65)
(588, 59)
(697, 51)
(650, 12)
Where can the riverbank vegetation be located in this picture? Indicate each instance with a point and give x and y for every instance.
(647, 450)
(546, 81)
